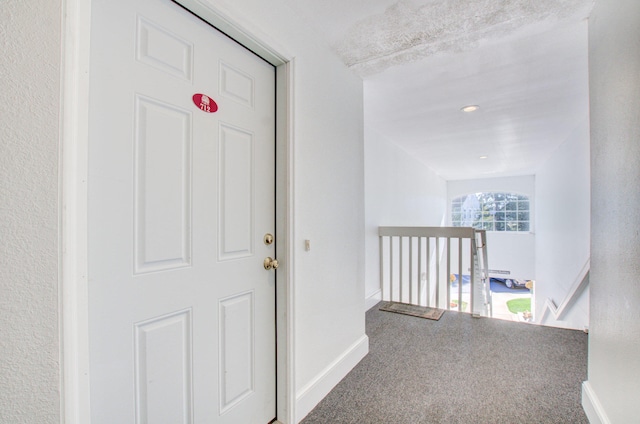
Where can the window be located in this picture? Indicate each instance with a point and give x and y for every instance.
(491, 212)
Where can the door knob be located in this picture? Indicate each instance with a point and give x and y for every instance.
(270, 263)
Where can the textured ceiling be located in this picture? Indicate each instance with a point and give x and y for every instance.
(523, 61)
(406, 32)
(371, 35)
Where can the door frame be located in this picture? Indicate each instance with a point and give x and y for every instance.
(73, 214)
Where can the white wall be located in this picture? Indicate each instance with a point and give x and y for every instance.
(29, 89)
(563, 227)
(399, 191)
(507, 251)
(611, 394)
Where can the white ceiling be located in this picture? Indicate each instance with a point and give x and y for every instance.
(523, 61)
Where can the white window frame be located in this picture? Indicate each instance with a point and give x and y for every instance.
(520, 198)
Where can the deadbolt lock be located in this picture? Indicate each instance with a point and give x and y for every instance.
(270, 263)
(268, 239)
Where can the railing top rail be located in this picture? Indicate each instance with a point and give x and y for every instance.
(576, 289)
(453, 232)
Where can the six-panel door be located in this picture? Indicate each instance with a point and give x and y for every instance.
(181, 310)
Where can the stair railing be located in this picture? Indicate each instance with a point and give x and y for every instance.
(482, 285)
(575, 290)
(412, 260)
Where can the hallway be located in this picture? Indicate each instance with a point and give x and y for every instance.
(460, 370)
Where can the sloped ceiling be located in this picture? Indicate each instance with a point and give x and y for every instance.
(524, 62)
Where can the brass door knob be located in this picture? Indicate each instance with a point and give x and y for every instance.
(270, 263)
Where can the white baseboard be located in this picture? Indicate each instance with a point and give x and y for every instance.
(592, 407)
(372, 300)
(313, 392)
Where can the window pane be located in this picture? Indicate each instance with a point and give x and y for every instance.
(512, 226)
(492, 211)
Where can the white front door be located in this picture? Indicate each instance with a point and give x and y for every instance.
(181, 194)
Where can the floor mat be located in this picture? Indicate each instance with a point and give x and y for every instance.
(413, 310)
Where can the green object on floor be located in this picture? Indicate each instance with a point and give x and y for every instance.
(519, 305)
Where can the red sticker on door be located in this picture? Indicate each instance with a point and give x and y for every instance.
(205, 103)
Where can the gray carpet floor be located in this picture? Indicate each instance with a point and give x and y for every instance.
(460, 370)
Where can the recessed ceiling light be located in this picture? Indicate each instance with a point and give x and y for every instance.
(483, 157)
(470, 108)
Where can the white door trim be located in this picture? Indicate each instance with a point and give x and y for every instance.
(73, 317)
